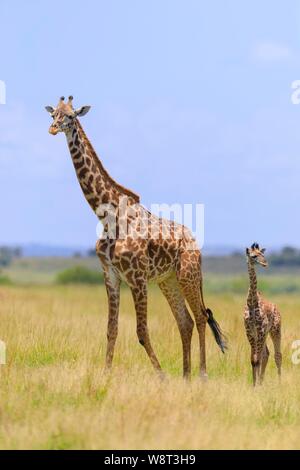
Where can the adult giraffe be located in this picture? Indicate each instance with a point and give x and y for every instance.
(150, 248)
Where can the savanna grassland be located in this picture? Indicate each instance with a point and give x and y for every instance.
(55, 395)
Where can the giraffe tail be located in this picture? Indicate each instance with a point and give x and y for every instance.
(220, 338)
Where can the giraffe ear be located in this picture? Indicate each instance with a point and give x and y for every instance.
(49, 109)
(82, 111)
(263, 250)
(247, 251)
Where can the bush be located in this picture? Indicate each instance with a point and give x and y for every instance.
(4, 280)
(79, 275)
(7, 254)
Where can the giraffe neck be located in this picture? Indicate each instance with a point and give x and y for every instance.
(252, 299)
(97, 185)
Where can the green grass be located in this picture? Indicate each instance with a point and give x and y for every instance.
(5, 280)
(54, 393)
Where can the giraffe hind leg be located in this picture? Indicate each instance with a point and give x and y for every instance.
(171, 290)
(189, 279)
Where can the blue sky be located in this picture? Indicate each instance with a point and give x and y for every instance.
(191, 103)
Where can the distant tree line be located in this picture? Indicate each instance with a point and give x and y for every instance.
(91, 252)
(288, 256)
(7, 254)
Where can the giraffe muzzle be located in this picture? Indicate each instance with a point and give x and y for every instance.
(53, 130)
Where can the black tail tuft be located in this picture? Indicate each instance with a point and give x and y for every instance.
(217, 332)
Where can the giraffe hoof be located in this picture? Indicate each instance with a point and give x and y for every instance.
(107, 370)
(162, 376)
(204, 377)
(187, 378)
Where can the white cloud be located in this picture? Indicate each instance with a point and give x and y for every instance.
(272, 52)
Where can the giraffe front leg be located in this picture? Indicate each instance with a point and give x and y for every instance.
(264, 362)
(112, 283)
(139, 294)
(262, 355)
(257, 362)
(255, 367)
(252, 338)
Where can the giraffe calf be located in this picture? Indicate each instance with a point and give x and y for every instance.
(261, 318)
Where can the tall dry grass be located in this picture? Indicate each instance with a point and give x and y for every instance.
(54, 394)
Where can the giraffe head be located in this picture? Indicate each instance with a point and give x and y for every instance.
(64, 115)
(255, 254)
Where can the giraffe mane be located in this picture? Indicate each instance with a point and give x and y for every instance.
(118, 186)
